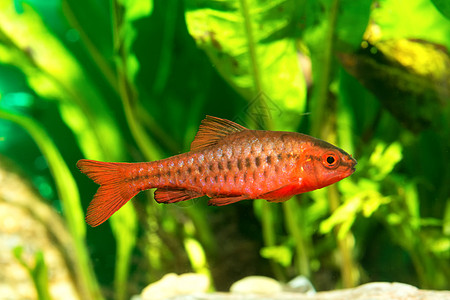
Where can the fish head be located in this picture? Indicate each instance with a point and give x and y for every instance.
(326, 164)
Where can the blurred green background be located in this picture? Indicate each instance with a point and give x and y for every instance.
(130, 80)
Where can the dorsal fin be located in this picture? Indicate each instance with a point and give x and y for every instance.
(212, 130)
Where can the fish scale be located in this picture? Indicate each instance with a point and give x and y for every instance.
(228, 163)
(241, 172)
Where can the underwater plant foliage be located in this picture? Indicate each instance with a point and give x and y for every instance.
(131, 81)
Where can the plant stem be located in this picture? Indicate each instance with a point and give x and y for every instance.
(324, 127)
(128, 96)
(254, 66)
(269, 237)
(251, 47)
(294, 229)
(127, 91)
(348, 268)
(324, 75)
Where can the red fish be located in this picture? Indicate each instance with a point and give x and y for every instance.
(228, 163)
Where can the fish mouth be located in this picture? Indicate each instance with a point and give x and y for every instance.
(353, 167)
(352, 164)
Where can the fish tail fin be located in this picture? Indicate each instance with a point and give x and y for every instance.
(114, 190)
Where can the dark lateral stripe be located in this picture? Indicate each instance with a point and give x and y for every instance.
(248, 163)
(257, 161)
(239, 164)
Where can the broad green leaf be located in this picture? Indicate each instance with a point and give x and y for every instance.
(343, 215)
(362, 197)
(281, 254)
(352, 20)
(410, 78)
(443, 6)
(384, 158)
(251, 45)
(410, 19)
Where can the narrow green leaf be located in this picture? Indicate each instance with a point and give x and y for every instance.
(38, 272)
(131, 11)
(68, 193)
(54, 73)
(136, 9)
(196, 252)
(280, 254)
(446, 219)
(124, 225)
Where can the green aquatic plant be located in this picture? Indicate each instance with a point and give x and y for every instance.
(131, 80)
(38, 272)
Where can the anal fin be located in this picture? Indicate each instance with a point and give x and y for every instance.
(167, 195)
(220, 201)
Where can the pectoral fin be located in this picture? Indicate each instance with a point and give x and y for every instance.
(282, 194)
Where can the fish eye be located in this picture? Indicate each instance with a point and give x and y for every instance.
(330, 160)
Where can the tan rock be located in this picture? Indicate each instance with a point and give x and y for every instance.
(372, 291)
(256, 285)
(26, 221)
(173, 285)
